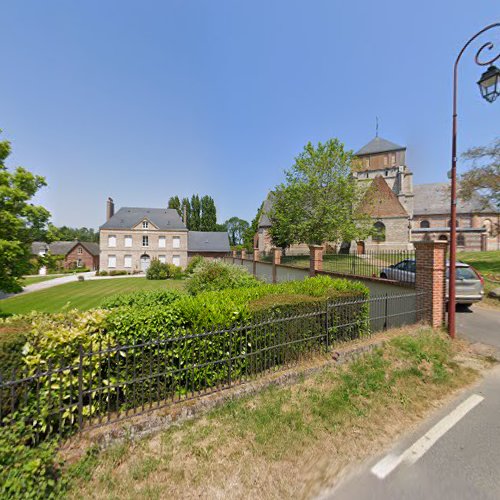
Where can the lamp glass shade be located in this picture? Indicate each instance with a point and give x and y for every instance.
(489, 83)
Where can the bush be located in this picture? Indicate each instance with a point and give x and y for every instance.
(162, 271)
(13, 333)
(194, 263)
(212, 275)
(102, 273)
(26, 470)
(142, 298)
(118, 272)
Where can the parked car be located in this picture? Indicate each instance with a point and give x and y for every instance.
(469, 283)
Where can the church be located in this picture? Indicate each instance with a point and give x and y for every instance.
(402, 212)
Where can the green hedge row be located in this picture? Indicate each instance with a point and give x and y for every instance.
(234, 353)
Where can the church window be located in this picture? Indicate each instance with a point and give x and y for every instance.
(461, 240)
(424, 224)
(378, 231)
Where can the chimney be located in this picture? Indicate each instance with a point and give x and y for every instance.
(110, 209)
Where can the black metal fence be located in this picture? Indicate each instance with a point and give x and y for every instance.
(397, 265)
(106, 383)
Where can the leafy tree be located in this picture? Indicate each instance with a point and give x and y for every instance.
(317, 202)
(208, 220)
(21, 221)
(195, 219)
(65, 233)
(483, 178)
(174, 202)
(236, 229)
(248, 237)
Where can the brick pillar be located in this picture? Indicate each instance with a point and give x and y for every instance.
(255, 260)
(243, 254)
(235, 254)
(431, 280)
(276, 253)
(315, 259)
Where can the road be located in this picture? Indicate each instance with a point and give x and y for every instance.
(455, 454)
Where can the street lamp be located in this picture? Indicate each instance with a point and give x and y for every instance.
(489, 86)
(489, 83)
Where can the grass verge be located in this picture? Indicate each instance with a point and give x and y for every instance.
(288, 441)
(80, 295)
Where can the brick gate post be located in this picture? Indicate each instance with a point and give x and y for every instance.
(315, 259)
(431, 281)
(255, 260)
(243, 254)
(276, 261)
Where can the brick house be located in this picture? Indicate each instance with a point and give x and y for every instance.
(76, 254)
(132, 237)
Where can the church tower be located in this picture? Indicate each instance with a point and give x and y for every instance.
(386, 159)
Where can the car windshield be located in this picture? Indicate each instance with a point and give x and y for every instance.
(463, 273)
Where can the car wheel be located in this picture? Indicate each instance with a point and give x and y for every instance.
(383, 276)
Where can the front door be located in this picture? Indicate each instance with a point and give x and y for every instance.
(145, 261)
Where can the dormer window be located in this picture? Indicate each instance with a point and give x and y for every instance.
(145, 224)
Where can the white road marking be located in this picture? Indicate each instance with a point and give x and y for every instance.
(385, 466)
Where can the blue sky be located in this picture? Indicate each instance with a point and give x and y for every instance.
(144, 100)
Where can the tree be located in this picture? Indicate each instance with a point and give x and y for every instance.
(22, 222)
(65, 233)
(318, 200)
(195, 219)
(248, 237)
(174, 202)
(186, 211)
(483, 179)
(208, 220)
(236, 229)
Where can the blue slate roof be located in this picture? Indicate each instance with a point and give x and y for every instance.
(129, 217)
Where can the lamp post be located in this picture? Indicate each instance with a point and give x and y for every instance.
(489, 84)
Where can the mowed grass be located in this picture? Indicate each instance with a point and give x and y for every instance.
(285, 442)
(80, 295)
(31, 280)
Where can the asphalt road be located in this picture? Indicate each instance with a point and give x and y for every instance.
(463, 462)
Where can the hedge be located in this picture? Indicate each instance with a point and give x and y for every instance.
(55, 339)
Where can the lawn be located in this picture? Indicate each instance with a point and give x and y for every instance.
(80, 295)
(31, 280)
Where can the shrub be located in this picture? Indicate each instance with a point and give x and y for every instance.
(162, 271)
(157, 270)
(26, 470)
(194, 263)
(102, 273)
(141, 298)
(217, 275)
(118, 272)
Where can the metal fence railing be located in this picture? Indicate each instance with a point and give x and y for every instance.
(397, 265)
(107, 383)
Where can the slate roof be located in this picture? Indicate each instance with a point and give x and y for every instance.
(39, 246)
(379, 145)
(208, 241)
(264, 216)
(435, 199)
(380, 201)
(129, 217)
(63, 247)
